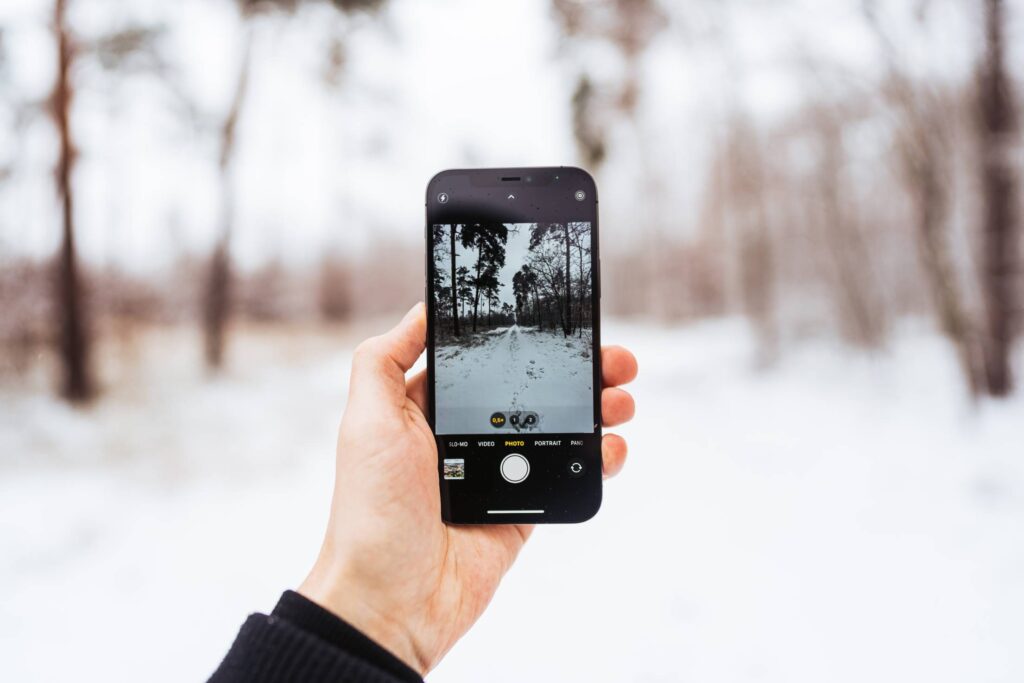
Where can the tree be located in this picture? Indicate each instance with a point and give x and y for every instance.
(580, 237)
(465, 291)
(997, 132)
(519, 291)
(112, 52)
(217, 296)
(546, 264)
(524, 284)
(924, 119)
(455, 282)
(77, 383)
(488, 239)
(560, 233)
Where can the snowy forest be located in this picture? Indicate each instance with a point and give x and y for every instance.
(513, 326)
(550, 288)
(812, 238)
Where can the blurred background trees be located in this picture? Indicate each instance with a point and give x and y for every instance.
(810, 236)
(819, 172)
(217, 293)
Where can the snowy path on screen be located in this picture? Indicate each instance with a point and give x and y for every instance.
(515, 369)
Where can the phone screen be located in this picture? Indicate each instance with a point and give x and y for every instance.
(513, 283)
(513, 328)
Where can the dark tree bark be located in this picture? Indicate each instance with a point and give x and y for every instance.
(476, 297)
(455, 286)
(73, 335)
(1000, 258)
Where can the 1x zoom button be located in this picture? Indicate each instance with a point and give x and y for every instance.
(514, 468)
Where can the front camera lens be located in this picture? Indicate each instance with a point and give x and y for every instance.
(580, 195)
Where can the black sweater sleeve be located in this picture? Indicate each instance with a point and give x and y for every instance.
(301, 641)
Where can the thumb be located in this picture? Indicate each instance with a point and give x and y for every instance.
(380, 363)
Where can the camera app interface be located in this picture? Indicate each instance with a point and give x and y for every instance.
(513, 328)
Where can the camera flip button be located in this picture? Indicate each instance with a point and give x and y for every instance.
(514, 468)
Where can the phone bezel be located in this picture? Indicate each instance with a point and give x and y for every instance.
(549, 196)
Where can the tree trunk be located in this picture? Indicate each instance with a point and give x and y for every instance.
(567, 320)
(860, 302)
(921, 160)
(476, 297)
(216, 305)
(455, 286)
(582, 297)
(73, 328)
(1000, 258)
(217, 294)
(536, 306)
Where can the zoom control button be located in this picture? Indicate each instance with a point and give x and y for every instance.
(514, 468)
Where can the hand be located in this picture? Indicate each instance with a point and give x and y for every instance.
(389, 565)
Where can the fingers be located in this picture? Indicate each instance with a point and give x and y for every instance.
(613, 454)
(618, 366)
(380, 363)
(617, 406)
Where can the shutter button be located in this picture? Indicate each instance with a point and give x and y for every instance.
(514, 468)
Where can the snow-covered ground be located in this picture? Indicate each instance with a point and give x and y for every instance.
(513, 369)
(837, 518)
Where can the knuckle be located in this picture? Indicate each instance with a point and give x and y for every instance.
(367, 350)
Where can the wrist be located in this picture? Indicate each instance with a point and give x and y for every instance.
(352, 602)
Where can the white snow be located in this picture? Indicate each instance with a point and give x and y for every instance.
(516, 369)
(837, 518)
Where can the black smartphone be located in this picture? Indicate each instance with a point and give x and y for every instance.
(513, 344)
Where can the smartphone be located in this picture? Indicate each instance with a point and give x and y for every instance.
(513, 344)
